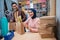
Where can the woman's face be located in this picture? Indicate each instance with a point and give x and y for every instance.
(30, 13)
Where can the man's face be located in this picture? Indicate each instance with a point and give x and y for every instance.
(15, 7)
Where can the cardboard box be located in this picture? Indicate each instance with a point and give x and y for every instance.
(47, 24)
(47, 35)
(49, 31)
(47, 19)
(20, 28)
(12, 25)
(45, 29)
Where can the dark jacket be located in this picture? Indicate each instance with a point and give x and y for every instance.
(9, 15)
(22, 14)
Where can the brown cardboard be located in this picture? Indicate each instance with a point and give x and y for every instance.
(47, 35)
(12, 26)
(20, 28)
(49, 31)
(46, 26)
(46, 21)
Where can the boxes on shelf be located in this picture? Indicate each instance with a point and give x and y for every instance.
(35, 1)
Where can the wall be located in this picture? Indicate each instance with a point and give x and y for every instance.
(58, 17)
(52, 7)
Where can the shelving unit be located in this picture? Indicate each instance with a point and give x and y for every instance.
(41, 11)
(37, 7)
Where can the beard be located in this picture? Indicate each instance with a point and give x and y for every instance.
(16, 9)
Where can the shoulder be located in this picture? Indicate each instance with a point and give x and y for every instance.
(37, 18)
(28, 20)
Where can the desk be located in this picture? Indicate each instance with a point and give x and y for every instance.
(30, 36)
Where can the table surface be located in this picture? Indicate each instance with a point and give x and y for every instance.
(30, 36)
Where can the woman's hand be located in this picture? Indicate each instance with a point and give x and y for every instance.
(34, 30)
(25, 25)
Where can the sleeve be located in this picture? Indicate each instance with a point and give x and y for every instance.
(26, 23)
(24, 18)
(38, 23)
(27, 20)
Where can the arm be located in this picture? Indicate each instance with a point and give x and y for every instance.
(26, 23)
(35, 29)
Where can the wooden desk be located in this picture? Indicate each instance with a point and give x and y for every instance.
(30, 36)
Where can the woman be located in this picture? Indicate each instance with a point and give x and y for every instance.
(32, 23)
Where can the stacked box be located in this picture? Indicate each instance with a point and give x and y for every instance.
(47, 24)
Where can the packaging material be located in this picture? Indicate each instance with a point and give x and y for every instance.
(12, 25)
(47, 35)
(47, 24)
(20, 28)
(19, 25)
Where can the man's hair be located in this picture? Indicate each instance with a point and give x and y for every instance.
(13, 3)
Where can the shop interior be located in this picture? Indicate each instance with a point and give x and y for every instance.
(45, 11)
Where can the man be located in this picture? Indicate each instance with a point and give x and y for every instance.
(17, 12)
